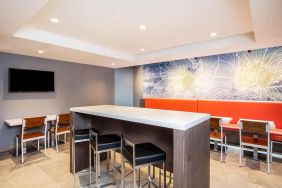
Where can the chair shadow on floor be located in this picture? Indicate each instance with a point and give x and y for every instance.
(33, 156)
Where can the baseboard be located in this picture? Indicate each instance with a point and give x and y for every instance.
(7, 149)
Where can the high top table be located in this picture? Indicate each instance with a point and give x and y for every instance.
(184, 136)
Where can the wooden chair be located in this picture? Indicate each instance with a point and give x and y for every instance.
(255, 134)
(216, 134)
(276, 138)
(31, 132)
(62, 127)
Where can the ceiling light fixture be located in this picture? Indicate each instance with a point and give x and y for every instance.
(54, 20)
(142, 27)
(213, 34)
(142, 49)
(113, 64)
(40, 51)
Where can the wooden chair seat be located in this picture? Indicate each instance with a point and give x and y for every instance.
(64, 124)
(217, 135)
(231, 126)
(60, 129)
(251, 140)
(31, 135)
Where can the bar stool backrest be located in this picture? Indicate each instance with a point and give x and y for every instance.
(124, 148)
(93, 136)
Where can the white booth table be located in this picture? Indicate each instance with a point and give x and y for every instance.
(184, 136)
(19, 121)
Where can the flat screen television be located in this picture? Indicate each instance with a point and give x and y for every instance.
(22, 80)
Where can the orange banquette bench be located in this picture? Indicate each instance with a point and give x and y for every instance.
(270, 111)
(189, 105)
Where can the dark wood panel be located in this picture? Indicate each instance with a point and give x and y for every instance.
(192, 157)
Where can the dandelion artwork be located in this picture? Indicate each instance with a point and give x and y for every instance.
(253, 75)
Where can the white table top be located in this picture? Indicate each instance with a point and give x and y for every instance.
(18, 121)
(162, 118)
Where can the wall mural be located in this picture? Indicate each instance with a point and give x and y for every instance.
(249, 75)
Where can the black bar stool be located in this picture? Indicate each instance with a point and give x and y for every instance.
(102, 144)
(81, 135)
(141, 155)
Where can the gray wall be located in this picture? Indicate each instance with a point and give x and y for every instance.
(75, 85)
(124, 86)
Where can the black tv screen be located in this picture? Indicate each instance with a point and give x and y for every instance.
(21, 80)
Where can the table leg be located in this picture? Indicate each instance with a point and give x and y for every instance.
(215, 146)
(24, 147)
(255, 154)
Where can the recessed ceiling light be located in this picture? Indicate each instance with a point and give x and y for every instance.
(213, 34)
(113, 64)
(54, 20)
(142, 49)
(142, 27)
(40, 51)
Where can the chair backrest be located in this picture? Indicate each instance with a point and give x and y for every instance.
(34, 122)
(215, 124)
(63, 119)
(124, 149)
(254, 129)
(93, 137)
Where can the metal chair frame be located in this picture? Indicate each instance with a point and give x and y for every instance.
(30, 139)
(73, 154)
(97, 164)
(223, 139)
(267, 148)
(138, 167)
(271, 147)
(57, 134)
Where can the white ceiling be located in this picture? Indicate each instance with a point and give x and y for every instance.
(106, 32)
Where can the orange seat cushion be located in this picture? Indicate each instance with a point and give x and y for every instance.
(251, 140)
(31, 135)
(216, 135)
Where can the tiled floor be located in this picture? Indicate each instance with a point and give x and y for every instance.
(53, 171)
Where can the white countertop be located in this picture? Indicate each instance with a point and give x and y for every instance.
(162, 118)
(19, 121)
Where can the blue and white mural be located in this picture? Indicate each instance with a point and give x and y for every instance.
(254, 75)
